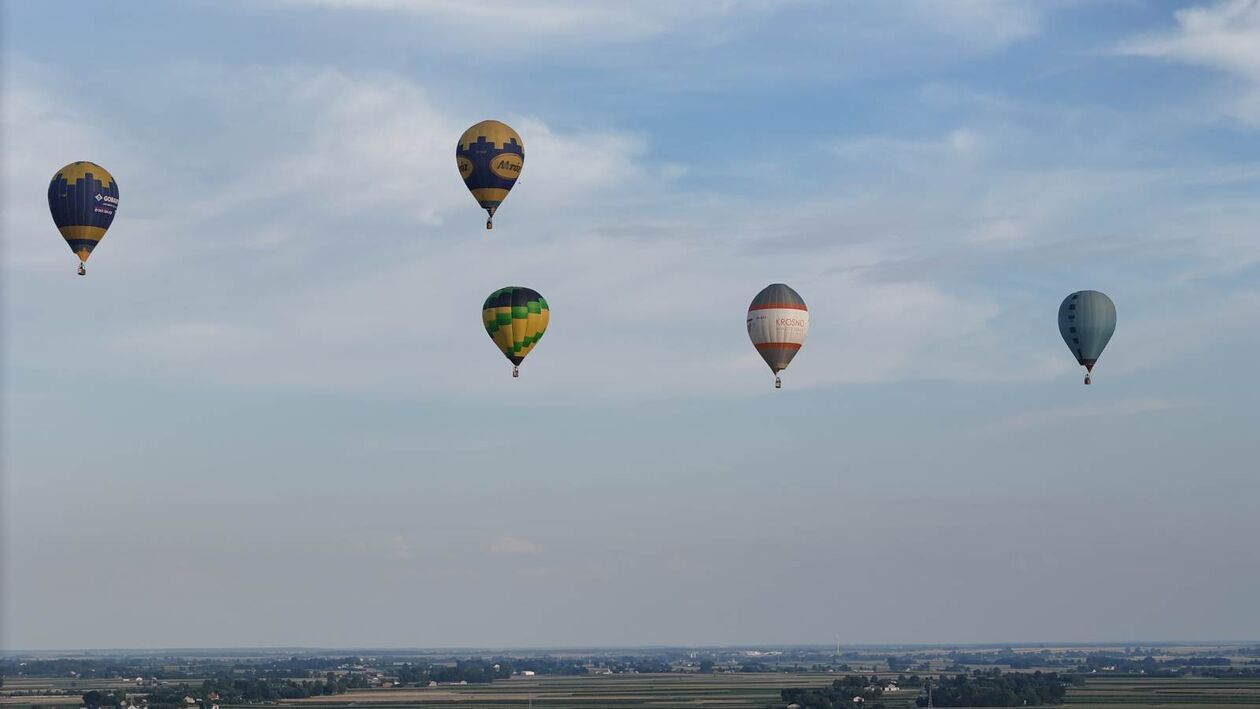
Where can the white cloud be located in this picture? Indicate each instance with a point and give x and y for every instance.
(1048, 417)
(987, 22)
(335, 249)
(525, 24)
(1224, 36)
(400, 549)
(346, 255)
(556, 25)
(513, 546)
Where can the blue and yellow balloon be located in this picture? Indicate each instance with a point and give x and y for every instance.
(83, 197)
(490, 156)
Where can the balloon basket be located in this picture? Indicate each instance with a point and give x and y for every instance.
(1088, 380)
(489, 223)
(82, 270)
(778, 383)
(516, 373)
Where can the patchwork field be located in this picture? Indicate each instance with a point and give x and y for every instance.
(1166, 692)
(757, 691)
(718, 691)
(735, 691)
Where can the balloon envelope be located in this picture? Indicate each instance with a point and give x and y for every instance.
(777, 324)
(490, 156)
(1087, 320)
(83, 197)
(515, 318)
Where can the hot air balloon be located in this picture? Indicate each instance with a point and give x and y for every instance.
(82, 197)
(1087, 319)
(490, 156)
(515, 319)
(777, 324)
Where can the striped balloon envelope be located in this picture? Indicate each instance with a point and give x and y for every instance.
(1087, 320)
(777, 324)
(490, 156)
(515, 318)
(82, 197)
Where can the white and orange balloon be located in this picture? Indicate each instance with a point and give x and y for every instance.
(777, 324)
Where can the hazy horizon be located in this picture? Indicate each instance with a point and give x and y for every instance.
(844, 647)
(270, 415)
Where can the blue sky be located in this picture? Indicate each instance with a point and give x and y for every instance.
(270, 416)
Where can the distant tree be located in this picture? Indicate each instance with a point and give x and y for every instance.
(898, 664)
(93, 699)
(839, 694)
(994, 689)
(706, 666)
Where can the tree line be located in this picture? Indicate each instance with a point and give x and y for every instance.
(841, 693)
(980, 689)
(995, 689)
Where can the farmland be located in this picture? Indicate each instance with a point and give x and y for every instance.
(1140, 692)
(891, 678)
(728, 691)
(757, 691)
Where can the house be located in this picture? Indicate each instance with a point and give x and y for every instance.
(890, 687)
(858, 700)
(527, 673)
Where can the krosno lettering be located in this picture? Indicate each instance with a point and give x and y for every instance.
(789, 322)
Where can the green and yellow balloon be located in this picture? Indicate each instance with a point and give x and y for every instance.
(515, 318)
(490, 156)
(83, 197)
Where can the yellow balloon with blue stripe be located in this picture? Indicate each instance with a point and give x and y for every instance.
(490, 156)
(83, 197)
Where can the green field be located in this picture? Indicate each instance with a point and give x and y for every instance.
(720, 691)
(740, 691)
(731, 691)
(1140, 692)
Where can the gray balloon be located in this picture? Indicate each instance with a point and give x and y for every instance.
(1087, 320)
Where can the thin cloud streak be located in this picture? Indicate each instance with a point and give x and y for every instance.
(1049, 418)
